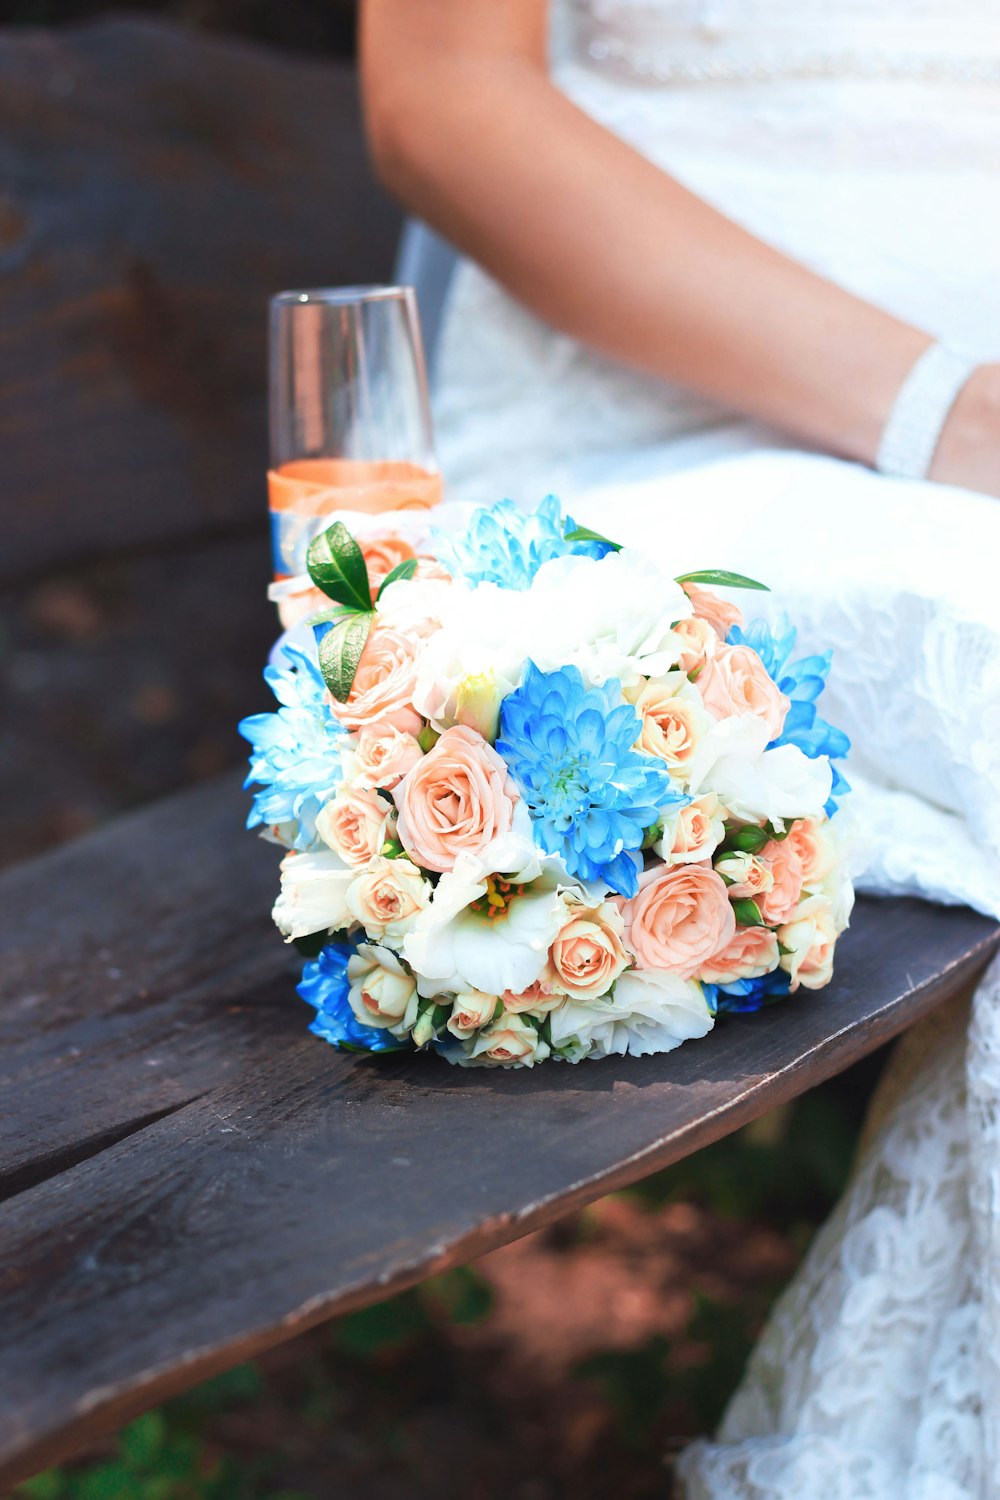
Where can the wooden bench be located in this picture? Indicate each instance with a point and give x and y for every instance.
(186, 1175)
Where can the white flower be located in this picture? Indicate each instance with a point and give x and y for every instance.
(382, 993)
(481, 932)
(313, 895)
(650, 1011)
(809, 938)
(610, 618)
(754, 783)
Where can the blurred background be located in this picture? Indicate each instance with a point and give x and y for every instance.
(164, 170)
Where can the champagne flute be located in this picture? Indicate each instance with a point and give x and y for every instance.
(349, 415)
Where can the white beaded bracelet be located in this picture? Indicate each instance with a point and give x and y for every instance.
(920, 411)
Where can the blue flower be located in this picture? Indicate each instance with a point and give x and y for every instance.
(324, 986)
(569, 749)
(507, 546)
(801, 682)
(744, 996)
(295, 758)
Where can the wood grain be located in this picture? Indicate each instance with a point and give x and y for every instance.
(156, 187)
(193, 1178)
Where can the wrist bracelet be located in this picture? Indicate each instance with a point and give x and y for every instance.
(920, 411)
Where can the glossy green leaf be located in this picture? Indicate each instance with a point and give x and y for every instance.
(748, 913)
(340, 652)
(405, 569)
(336, 565)
(747, 839)
(721, 579)
(584, 534)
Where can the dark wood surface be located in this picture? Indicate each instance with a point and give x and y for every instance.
(156, 187)
(191, 1177)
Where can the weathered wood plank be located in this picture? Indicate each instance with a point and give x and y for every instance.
(287, 1183)
(155, 187)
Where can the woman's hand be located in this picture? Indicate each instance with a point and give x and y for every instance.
(467, 130)
(969, 451)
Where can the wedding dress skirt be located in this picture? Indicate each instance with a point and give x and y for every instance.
(863, 137)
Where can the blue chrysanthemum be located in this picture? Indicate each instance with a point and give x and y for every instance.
(801, 682)
(507, 546)
(324, 986)
(295, 759)
(744, 996)
(591, 795)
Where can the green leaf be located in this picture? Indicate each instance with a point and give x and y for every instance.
(340, 652)
(393, 849)
(427, 738)
(783, 950)
(405, 569)
(748, 913)
(746, 839)
(336, 565)
(584, 534)
(723, 579)
(332, 615)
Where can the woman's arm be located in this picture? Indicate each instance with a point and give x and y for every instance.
(466, 128)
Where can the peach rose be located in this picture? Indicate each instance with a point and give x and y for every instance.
(383, 685)
(382, 554)
(698, 642)
(694, 833)
(470, 1012)
(383, 756)
(735, 681)
(539, 997)
(715, 611)
(355, 825)
(748, 876)
(457, 800)
(810, 940)
(588, 955)
(673, 719)
(785, 864)
(680, 919)
(508, 1041)
(751, 952)
(387, 898)
(808, 837)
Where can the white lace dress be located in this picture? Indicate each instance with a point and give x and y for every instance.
(863, 137)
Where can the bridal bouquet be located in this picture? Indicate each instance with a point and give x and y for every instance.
(539, 798)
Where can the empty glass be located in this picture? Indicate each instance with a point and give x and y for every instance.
(350, 413)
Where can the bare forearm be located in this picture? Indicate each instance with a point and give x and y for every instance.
(604, 245)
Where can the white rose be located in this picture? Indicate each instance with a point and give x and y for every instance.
(313, 895)
(388, 898)
(810, 939)
(759, 785)
(650, 1011)
(510, 1042)
(381, 992)
(471, 1011)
